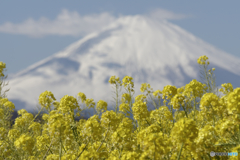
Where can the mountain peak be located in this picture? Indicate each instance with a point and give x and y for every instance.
(150, 51)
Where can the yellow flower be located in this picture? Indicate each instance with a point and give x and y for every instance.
(126, 98)
(206, 137)
(42, 141)
(145, 87)
(69, 157)
(52, 157)
(161, 114)
(141, 97)
(177, 100)
(130, 155)
(233, 103)
(3, 133)
(101, 106)
(90, 103)
(114, 80)
(13, 134)
(195, 89)
(45, 117)
(202, 60)
(23, 120)
(92, 128)
(45, 99)
(2, 66)
(78, 114)
(227, 88)
(1, 112)
(184, 130)
(157, 93)
(209, 103)
(82, 96)
(126, 81)
(7, 104)
(140, 111)
(3, 147)
(111, 119)
(68, 104)
(24, 143)
(21, 112)
(168, 93)
(153, 141)
(124, 107)
(36, 127)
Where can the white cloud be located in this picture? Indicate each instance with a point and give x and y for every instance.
(72, 24)
(66, 23)
(165, 14)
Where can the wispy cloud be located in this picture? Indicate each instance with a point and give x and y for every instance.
(165, 14)
(66, 23)
(72, 24)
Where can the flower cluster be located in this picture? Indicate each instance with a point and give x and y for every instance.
(202, 60)
(2, 67)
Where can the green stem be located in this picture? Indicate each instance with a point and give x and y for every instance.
(116, 99)
(194, 108)
(185, 111)
(76, 136)
(120, 155)
(37, 115)
(205, 70)
(159, 102)
(155, 105)
(48, 150)
(239, 131)
(103, 140)
(172, 113)
(60, 149)
(155, 150)
(209, 156)
(179, 154)
(130, 103)
(83, 150)
(148, 123)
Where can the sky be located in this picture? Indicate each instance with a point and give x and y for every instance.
(33, 30)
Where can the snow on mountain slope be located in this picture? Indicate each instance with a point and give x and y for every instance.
(155, 52)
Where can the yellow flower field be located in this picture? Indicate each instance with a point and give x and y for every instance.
(192, 121)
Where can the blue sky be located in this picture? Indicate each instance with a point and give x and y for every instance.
(33, 30)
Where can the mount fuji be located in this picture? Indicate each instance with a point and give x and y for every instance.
(150, 51)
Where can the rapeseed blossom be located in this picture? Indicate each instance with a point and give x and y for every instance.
(101, 106)
(46, 99)
(184, 130)
(202, 60)
(234, 101)
(177, 100)
(82, 96)
(90, 103)
(7, 104)
(157, 93)
(124, 107)
(191, 133)
(25, 143)
(126, 98)
(2, 67)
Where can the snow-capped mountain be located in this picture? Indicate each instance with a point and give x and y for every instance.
(150, 51)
